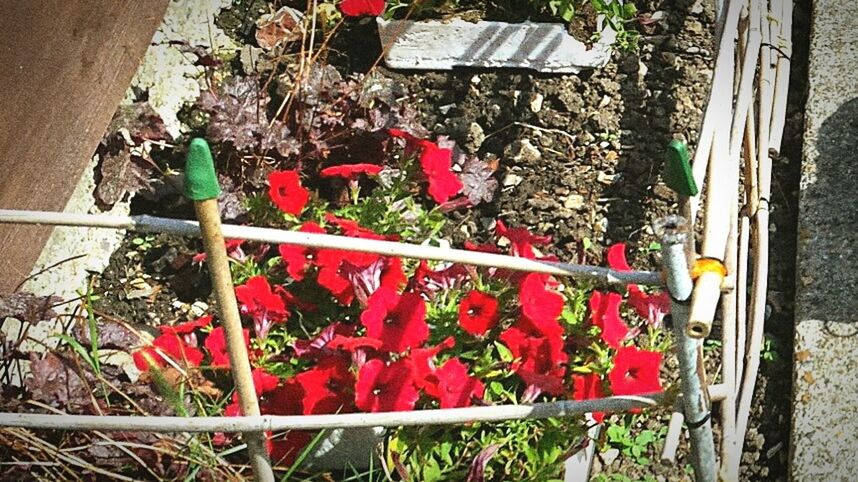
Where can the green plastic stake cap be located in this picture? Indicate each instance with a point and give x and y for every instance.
(200, 178)
(677, 170)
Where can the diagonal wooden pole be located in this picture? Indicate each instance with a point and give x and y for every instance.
(202, 187)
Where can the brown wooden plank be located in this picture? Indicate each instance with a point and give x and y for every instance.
(64, 67)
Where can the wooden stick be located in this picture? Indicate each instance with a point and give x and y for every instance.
(201, 185)
(783, 40)
(728, 355)
(723, 180)
(714, 115)
(761, 238)
(182, 227)
(674, 432)
(270, 423)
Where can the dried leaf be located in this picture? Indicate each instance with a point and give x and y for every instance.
(477, 181)
(204, 58)
(55, 382)
(121, 174)
(28, 307)
(285, 25)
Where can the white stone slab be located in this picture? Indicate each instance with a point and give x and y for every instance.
(442, 45)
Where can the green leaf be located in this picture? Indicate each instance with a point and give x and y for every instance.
(504, 353)
(431, 470)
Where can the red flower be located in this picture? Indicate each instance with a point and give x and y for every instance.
(263, 381)
(186, 328)
(423, 366)
(284, 449)
(635, 372)
(650, 306)
(653, 306)
(260, 302)
(478, 312)
(588, 387)
(216, 345)
(365, 280)
(168, 345)
(399, 321)
(605, 313)
(326, 388)
(538, 349)
(298, 258)
(436, 163)
(358, 8)
(427, 280)
(233, 250)
(616, 257)
(456, 387)
(539, 303)
(385, 388)
(521, 239)
(286, 192)
(351, 171)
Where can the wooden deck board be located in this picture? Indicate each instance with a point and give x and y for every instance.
(64, 67)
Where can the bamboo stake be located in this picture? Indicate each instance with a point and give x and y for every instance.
(181, 227)
(446, 416)
(714, 115)
(673, 231)
(202, 187)
(722, 187)
(761, 238)
(728, 355)
(784, 42)
(674, 431)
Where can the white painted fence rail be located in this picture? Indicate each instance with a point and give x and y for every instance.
(447, 416)
(330, 241)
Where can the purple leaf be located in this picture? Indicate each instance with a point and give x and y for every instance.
(28, 307)
(477, 181)
(120, 174)
(477, 472)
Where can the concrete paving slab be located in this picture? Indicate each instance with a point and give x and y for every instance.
(825, 398)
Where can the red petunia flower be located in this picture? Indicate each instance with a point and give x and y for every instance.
(521, 239)
(456, 387)
(423, 366)
(538, 302)
(260, 302)
(635, 372)
(233, 250)
(428, 281)
(216, 345)
(538, 350)
(298, 258)
(186, 328)
(169, 345)
(437, 163)
(478, 312)
(616, 257)
(286, 192)
(351, 171)
(588, 387)
(605, 313)
(365, 280)
(651, 306)
(359, 8)
(326, 388)
(399, 321)
(385, 388)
